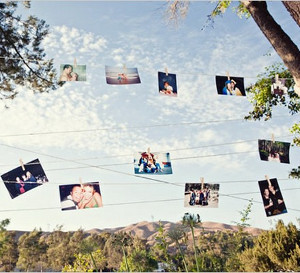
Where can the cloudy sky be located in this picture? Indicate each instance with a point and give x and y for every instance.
(91, 130)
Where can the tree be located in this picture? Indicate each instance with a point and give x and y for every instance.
(139, 259)
(123, 240)
(59, 253)
(192, 221)
(84, 263)
(176, 235)
(22, 59)
(264, 101)
(161, 246)
(8, 248)
(32, 251)
(274, 250)
(258, 10)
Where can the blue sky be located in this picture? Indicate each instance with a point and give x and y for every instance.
(193, 126)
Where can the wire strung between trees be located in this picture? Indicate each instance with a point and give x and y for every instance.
(127, 127)
(139, 202)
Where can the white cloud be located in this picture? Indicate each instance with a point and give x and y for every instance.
(72, 41)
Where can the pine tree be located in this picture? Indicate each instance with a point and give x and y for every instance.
(22, 59)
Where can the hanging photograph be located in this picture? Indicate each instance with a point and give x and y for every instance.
(275, 151)
(80, 196)
(272, 197)
(121, 75)
(19, 180)
(72, 73)
(152, 163)
(201, 195)
(167, 84)
(232, 86)
(278, 87)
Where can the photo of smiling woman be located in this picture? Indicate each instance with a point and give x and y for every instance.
(91, 198)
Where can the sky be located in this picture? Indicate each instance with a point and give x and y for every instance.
(90, 130)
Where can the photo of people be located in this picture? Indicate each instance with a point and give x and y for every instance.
(275, 151)
(167, 84)
(152, 163)
(19, 181)
(121, 75)
(232, 86)
(201, 195)
(70, 73)
(272, 198)
(278, 86)
(80, 196)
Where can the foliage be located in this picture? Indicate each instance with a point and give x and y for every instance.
(84, 263)
(22, 59)
(139, 260)
(32, 250)
(160, 250)
(192, 221)
(263, 100)
(59, 253)
(274, 250)
(8, 248)
(245, 216)
(176, 235)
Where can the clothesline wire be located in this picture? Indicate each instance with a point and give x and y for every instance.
(108, 165)
(131, 154)
(100, 167)
(109, 170)
(128, 127)
(139, 202)
(157, 70)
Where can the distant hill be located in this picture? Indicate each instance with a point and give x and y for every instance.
(148, 230)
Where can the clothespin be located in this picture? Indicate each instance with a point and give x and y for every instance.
(148, 150)
(75, 63)
(273, 138)
(80, 181)
(228, 76)
(202, 182)
(267, 178)
(276, 78)
(22, 164)
(166, 71)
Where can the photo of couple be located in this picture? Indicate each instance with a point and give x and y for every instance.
(80, 196)
(272, 197)
(232, 86)
(275, 151)
(69, 73)
(21, 180)
(119, 75)
(167, 84)
(152, 163)
(201, 195)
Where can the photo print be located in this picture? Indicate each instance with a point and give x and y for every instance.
(152, 163)
(278, 86)
(272, 197)
(19, 181)
(275, 151)
(80, 196)
(232, 86)
(201, 195)
(72, 73)
(167, 84)
(121, 75)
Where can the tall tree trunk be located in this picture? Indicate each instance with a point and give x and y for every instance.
(293, 8)
(280, 41)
